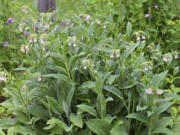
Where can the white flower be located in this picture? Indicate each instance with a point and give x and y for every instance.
(159, 92)
(3, 78)
(149, 91)
(138, 38)
(84, 67)
(69, 43)
(74, 45)
(98, 22)
(87, 17)
(143, 37)
(39, 79)
(117, 55)
(112, 56)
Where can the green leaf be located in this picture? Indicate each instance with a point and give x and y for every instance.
(115, 128)
(58, 69)
(76, 120)
(128, 28)
(58, 76)
(98, 126)
(20, 129)
(139, 117)
(6, 123)
(176, 125)
(55, 107)
(163, 107)
(1, 132)
(130, 49)
(38, 111)
(86, 108)
(114, 91)
(70, 95)
(59, 123)
(158, 78)
(162, 130)
(88, 85)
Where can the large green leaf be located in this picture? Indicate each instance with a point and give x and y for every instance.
(128, 28)
(59, 123)
(55, 107)
(20, 129)
(58, 76)
(38, 111)
(130, 49)
(88, 109)
(98, 126)
(163, 107)
(114, 91)
(162, 130)
(76, 120)
(139, 117)
(6, 123)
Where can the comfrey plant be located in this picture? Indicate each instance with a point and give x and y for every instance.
(97, 86)
(82, 75)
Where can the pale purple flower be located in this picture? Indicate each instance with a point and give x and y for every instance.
(147, 15)
(27, 33)
(39, 79)
(98, 22)
(117, 55)
(156, 6)
(69, 43)
(23, 50)
(10, 20)
(3, 79)
(143, 37)
(87, 17)
(159, 92)
(5, 44)
(149, 91)
(112, 56)
(84, 67)
(138, 38)
(146, 69)
(176, 57)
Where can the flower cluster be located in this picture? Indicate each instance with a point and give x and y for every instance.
(3, 77)
(150, 91)
(115, 53)
(167, 57)
(72, 41)
(25, 49)
(5, 44)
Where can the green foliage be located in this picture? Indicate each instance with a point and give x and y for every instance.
(100, 69)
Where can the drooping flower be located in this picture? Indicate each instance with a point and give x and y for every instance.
(117, 55)
(147, 15)
(10, 20)
(84, 67)
(143, 37)
(26, 33)
(5, 44)
(87, 17)
(149, 91)
(3, 79)
(138, 38)
(39, 79)
(159, 92)
(112, 56)
(156, 6)
(98, 22)
(105, 26)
